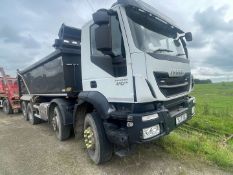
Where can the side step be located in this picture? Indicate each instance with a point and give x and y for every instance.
(122, 152)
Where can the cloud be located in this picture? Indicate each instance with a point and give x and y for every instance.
(217, 33)
(10, 35)
(28, 28)
(223, 54)
(199, 40)
(211, 24)
(213, 20)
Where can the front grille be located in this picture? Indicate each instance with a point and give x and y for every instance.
(171, 86)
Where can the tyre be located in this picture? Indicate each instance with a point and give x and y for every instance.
(31, 117)
(98, 147)
(24, 110)
(7, 109)
(62, 131)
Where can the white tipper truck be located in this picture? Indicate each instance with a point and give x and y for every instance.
(123, 79)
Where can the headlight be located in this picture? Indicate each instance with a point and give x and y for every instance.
(151, 132)
(193, 110)
(192, 99)
(150, 117)
(192, 81)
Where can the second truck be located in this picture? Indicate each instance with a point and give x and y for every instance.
(9, 93)
(123, 79)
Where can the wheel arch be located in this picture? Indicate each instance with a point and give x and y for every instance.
(89, 101)
(97, 100)
(66, 109)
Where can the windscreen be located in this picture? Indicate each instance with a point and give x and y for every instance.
(153, 35)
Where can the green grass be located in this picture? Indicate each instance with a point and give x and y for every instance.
(207, 135)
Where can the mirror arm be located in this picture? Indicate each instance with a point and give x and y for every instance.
(184, 45)
(112, 12)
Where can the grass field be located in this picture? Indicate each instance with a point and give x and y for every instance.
(209, 135)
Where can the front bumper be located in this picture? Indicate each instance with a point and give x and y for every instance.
(166, 120)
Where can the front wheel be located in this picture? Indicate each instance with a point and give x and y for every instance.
(62, 131)
(7, 109)
(98, 147)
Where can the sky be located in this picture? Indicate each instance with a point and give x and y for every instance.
(28, 29)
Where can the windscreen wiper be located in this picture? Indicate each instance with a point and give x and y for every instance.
(162, 50)
(180, 54)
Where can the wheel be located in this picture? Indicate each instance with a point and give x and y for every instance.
(31, 117)
(7, 109)
(62, 131)
(24, 110)
(98, 147)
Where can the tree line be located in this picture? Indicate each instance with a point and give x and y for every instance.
(198, 81)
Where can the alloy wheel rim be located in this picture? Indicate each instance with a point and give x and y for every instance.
(5, 108)
(89, 138)
(24, 110)
(55, 122)
(30, 116)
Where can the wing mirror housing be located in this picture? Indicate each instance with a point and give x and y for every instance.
(103, 39)
(101, 17)
(188, 36)
(103, 34)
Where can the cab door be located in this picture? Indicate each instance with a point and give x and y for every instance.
(110, 75)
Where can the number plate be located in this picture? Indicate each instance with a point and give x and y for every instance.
(181, 119)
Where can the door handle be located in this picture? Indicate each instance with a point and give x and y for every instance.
(93, 84)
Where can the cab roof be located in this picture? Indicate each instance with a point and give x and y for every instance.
(144, 6)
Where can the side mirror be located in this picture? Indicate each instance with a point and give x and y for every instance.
(103, 39)
(101, 17)
(103, 34)
(188, 36)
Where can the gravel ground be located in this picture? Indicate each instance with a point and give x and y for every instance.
(34, 150)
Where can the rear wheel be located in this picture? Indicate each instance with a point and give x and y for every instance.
(7, 109)
(24, 110)
(62, 131)
(98, 147)
(32, 118)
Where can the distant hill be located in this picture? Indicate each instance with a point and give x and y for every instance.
(198, 81)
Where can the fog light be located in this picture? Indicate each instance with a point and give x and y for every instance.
(150, 117)
(151, 132)
(192, 99)
(129, 124)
